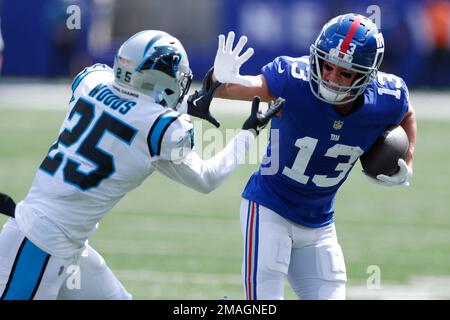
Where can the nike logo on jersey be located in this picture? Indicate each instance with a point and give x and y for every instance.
(195, 101)
(280, 69)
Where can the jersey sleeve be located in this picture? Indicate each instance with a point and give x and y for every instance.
(393, 98)
(206, 175)
(171, 136)
(276, 74)
(404, 102)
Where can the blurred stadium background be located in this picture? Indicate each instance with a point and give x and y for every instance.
(167, 242)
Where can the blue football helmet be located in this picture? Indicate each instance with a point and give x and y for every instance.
(350, 41)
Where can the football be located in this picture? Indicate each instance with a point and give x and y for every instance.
(383, 155)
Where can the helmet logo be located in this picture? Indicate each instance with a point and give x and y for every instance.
(340, 58)
(343, 59)
(165, 59)
(380, 40)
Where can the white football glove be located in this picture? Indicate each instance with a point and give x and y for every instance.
(401, 178)
(228, 62)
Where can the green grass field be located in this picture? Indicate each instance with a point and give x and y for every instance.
(165, 241)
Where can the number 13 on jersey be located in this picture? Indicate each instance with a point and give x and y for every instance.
(307, 145)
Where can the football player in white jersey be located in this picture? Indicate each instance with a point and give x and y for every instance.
(121, 126)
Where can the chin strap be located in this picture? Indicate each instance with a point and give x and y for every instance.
(330, 95)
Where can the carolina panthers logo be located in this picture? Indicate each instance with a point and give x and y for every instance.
(163, 58)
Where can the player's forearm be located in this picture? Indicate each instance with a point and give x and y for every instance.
(233, 92)
(239, 92)
(217, 169)
(410, 126)
(206, 175)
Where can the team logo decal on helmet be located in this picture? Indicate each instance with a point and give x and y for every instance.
(164, 59)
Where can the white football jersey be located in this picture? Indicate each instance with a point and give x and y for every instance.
(106, 147)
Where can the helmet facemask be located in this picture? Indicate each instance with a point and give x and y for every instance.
(343, 94)
(170, 79)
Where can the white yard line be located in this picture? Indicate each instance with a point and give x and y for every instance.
(55, 96)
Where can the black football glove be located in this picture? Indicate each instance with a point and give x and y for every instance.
(207, 81)
(7, 205)
(258, 120)
(199, 102)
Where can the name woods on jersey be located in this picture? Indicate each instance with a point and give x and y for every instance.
(121, 126)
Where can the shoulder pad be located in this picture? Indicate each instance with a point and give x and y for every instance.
(284, 72)
(388, 83)
(299, 67)
(96, 67)
(171, 136)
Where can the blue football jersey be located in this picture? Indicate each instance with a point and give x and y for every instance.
(312, 148)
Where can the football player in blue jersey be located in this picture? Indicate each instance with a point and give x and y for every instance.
(337, 105)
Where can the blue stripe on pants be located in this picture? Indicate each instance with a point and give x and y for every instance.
(26, 273)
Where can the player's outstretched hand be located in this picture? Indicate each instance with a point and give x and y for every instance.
(228, 61)
(258, 120)
(199, 102)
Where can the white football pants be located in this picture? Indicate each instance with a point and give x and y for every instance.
(276, 248)
(27, 272)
